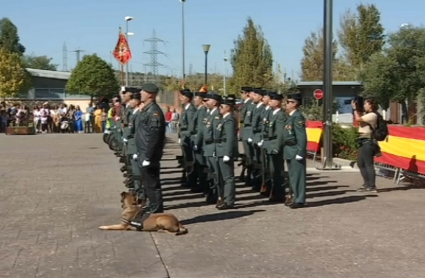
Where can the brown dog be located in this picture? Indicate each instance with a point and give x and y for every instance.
(159, 222)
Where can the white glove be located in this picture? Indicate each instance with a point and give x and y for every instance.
(195, 148)
(297, 157)
(260, 143)
(249, 140)
(135, 156)
(226, 158)
(124, 140)
(145, 163)
(179, 141)
(107, 131)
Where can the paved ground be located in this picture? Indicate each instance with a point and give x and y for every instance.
(55, 190)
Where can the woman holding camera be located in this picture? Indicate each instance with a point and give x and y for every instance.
(367, 118)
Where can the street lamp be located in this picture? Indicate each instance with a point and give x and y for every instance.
(183, 50)
(224, 73)
(206, 48)
(127, 19)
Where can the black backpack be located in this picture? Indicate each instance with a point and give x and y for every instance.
(381, 131)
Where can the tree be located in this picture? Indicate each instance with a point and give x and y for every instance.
(13, 76)
(361, 34)
(93, 76)
(9, 38)
(398, 73)
(39, 62)
(251, 59)
(312, 63)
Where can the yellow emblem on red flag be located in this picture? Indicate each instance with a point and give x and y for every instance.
(122, 50)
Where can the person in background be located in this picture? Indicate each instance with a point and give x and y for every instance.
(78, 119)
(54, 114)
(89, 119)
(168, 118)
(98, 120)
(71, 118)
(368, 148)
(37, 121)
(175, 117)
(104, 118)
(4, 118)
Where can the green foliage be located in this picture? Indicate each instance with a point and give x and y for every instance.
(9, 39)
(251, 59)
(13, 76)
(312, 63)
(398, 73)
(361, 35)
(344, 142)
(93, 76)
(314, 111)
(39, 62)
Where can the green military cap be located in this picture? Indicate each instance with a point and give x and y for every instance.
(296, 97)
(275, 96)
(214, 95)
(246, 89)
(187, 93)
(150, 88)
(137, 96)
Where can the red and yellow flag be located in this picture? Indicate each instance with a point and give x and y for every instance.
(122, 50)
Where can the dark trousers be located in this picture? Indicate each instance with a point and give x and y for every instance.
(3, 127)
(227, 181)
(365, 162)
(152, 187)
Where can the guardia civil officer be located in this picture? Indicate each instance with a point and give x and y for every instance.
(235, 112)
(186, 119)
(274, 144)
(245, 120)
(126, 111)
(224, 142)
(209, 131)
(135, 103)
(295, 149)
(256, 136)
(150, 141)
(195, 128)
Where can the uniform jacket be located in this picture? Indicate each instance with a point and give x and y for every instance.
(246, 115)
(209, 132)
(295, 136)
(257, 123)
(196, 126)
(225, 136)
(185, 120)
(150, 133)
(276, 126)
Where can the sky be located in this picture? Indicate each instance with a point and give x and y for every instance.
(92, 25)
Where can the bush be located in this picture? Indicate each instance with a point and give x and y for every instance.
(344, 142)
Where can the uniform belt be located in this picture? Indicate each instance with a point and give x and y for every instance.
(211, 141)
(245, 125)
(270, 138)
(125, 125)
(183, 128)
(257, 131)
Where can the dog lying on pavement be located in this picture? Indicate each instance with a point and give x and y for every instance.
(132, 216)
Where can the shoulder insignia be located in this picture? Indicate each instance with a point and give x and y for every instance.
(301, 122)
(217, 118)
(155, 114)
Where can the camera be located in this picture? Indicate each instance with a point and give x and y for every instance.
(359, 103)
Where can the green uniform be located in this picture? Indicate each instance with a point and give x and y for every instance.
(245, 116)
(295, 138)
(224, 144)
(274, 149)
(195, 128)
(185, 141)
(265, 169)
(211, 122)
(131, 150)
(256, 124)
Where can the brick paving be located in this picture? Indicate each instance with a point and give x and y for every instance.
(55, 190)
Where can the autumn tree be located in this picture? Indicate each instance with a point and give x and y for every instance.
(9, 38)
(93, 76)
(13, 77)
(397, 73)
(361, 34)
(251, 59)
(312, 64)
(39, 62)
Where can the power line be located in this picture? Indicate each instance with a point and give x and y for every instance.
(64, 57)
(153, 52)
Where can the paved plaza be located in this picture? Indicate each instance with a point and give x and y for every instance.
(56, 189)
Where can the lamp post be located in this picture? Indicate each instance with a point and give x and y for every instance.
(206, 48)
(327, 84)
(224, 74)
(183, 42)
(127, 34)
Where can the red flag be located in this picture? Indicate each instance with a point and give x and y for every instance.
(122, 50)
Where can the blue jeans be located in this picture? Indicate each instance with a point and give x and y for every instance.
(3, 127)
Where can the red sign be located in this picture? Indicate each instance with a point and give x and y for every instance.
(122, 50)
(318, 94)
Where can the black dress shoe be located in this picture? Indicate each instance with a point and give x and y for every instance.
(225, 206)
(296, 205)
(196, 190)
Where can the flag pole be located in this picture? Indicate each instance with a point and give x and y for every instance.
(122, 75)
